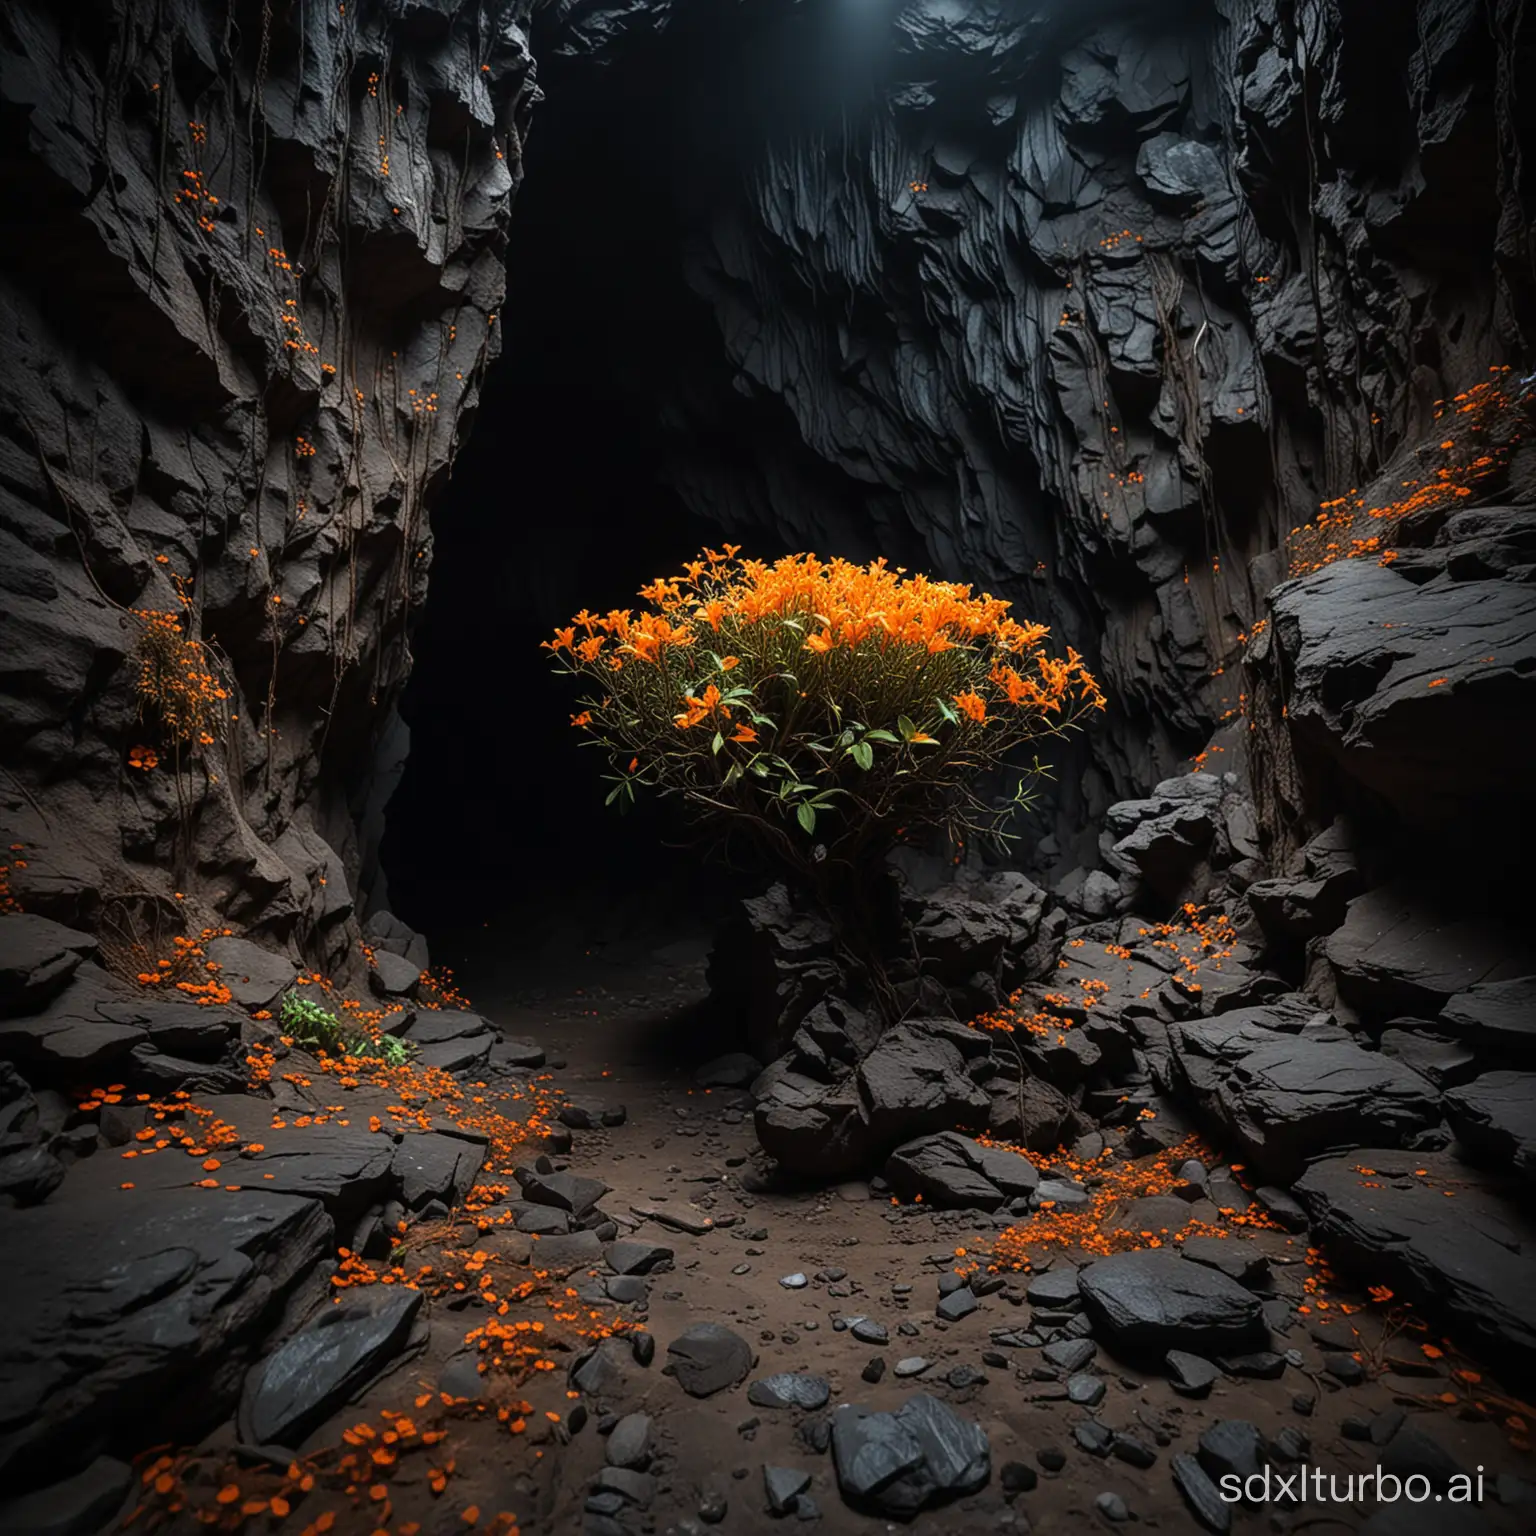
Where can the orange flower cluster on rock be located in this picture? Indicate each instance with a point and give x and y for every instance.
(1487, 422)
(176, 678)
(1113, 1183)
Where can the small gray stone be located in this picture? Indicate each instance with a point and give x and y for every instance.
(629, 1443)
(790, 1389)
(958, 1304)
(783, 1486)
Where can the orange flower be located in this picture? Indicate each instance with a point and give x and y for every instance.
(143, 758)
(744, 733)
(584, 718)
(972, 706)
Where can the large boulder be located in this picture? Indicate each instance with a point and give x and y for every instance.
(1450, 1240)
(896, 1464)
(1425, 695)
(1400, 950)
(917, 1080)
(1149, 1301)
(952, 1170)
(1495, 1117)
(323, 1366)
(1167, 836)
(1282, 1097)
(132, 1314)
(1312, 898)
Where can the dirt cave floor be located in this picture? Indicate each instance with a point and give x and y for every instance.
(1085, 1443)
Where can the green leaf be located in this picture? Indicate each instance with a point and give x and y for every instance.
(882, 736)
(717, 743)
(863, 754)
(735, 772)
(948, 710)
(613, 794)
(760, 768)
(905, 726)
(805, 814)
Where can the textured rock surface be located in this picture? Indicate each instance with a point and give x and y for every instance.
(922, 1455)
(1151, 1301)
(1283, 1097)
(142, 1307)
(1470, 1260)
(283, 248)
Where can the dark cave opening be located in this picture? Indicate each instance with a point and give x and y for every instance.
(559, 502)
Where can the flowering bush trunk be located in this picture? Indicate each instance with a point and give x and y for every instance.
(827, 710)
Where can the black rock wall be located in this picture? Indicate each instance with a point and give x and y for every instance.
(250, 283)
(1091, 306)
(1087, 304)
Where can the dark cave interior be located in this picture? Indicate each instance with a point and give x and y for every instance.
(498, 810)
(1197, 1131)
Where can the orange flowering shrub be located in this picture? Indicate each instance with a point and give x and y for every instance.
(827, 707)
(176, 677)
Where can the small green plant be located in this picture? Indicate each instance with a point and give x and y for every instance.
(310, 1025)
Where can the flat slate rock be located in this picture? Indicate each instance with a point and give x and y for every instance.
(256, 977)
(630, 1256)
(1239, 1260)
(1399, 953)
(575, 1250)
(37, 958)
(392, 975)
(1468, 1261)
(1496, 1016)
(348, 1166)
(1494, 1116)
(708, 1358)
(430, 1166)
(1283, 1097)
(957, 1305)
(952, 1170)
(1150, 1301)
(790, 1389)
(572, 1192)
(1056, 1289)
(518, 1053)
(82, 1505)
(436, 1026)
(124, 1307)
(74, 1037)
(921, 1456)
(465, 1053)
(297, 1387)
